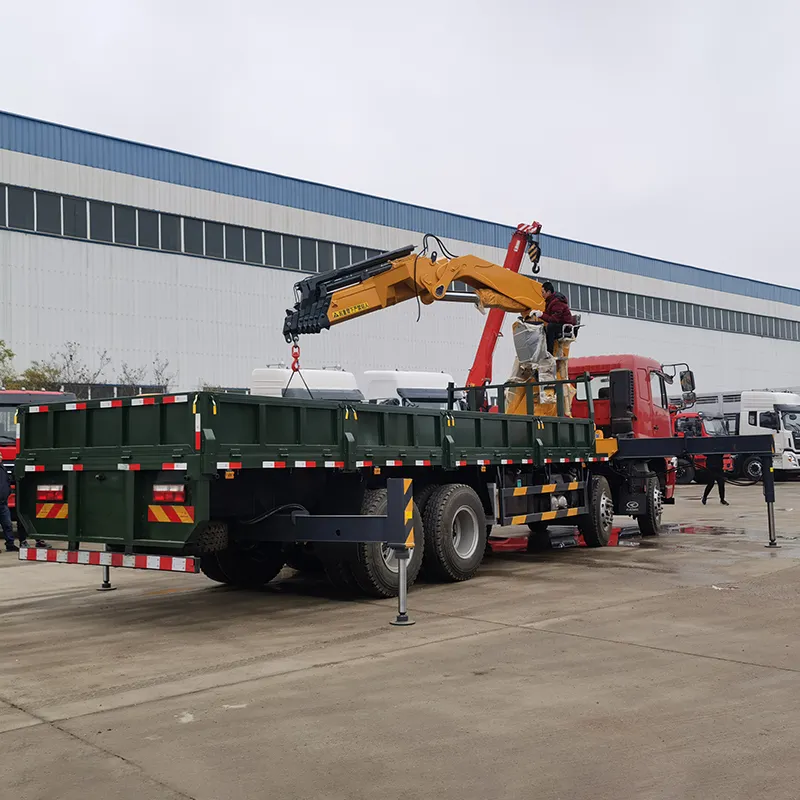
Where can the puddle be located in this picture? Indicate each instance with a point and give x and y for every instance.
(706, 530)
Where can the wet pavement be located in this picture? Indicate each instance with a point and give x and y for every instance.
(665, 667)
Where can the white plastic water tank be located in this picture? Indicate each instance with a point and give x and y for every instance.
(382, 384)
(323, 383)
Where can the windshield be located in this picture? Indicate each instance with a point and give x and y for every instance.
(715, 427)
(7, 424)
(791, 421)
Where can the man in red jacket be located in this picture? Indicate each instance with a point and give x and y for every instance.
(556, 314)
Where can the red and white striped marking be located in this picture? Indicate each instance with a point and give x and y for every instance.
(111, 404)
(38, 409)
(526, 461)
(461, 463)
(95, 558)
(598, 458)
(175, 466)
(129, 467)
(394, 463)
(422, 463)
(305, 464)
(72, 467)
(143, 401)
(360, 464)
(175, 398)
(18, 434)
(273, 465)
(548, 461)
(229, 464)
(506, 460)
(198, 438)
(483, 462)
(34, 468)
(334, 464)
(75, 406)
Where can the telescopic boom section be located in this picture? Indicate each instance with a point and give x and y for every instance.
(392, 278)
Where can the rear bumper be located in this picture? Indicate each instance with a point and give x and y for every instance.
(97, 558)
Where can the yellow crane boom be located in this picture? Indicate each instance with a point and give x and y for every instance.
(392, 278)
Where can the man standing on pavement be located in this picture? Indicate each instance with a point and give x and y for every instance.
(556, 314)
(5, 512)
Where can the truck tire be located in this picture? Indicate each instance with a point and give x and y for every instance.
(685, 473)
(423, 495)
(250, 567)
(210, 567)
(597, 523)
(752, 469)
(336, 563)
(538, 538)
(455, 533)
(650, 521)
(375, 567)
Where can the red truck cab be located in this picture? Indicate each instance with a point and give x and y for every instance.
(695, 423)
(648, 402)
(10, 401)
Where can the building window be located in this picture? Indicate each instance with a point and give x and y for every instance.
(357, 254)
(100, 226)
(20, 208)
(253, 246)
(342, 256)
(640, 312)
(74, 217)
(48, 213)
(291, 252)
(594, 299)
(193, 236)
(373, 253)
(234, 243)
(273, 247)
(631, 303)
(325, 255)
(603, 301)
(214, 240)
(308, 255)
(613, 302)
(124, 225)
(2, 206)
(148, 229)
(171, 233)
(584, 299)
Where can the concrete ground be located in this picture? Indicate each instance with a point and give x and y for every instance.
(664, 668)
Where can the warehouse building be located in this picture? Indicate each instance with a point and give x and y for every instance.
(146, 252)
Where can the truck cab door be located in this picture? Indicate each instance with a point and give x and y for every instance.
(661, 423)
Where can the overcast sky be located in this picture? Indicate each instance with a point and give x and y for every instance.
(670, 129)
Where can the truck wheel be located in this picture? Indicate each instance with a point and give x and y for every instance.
(538, 538)
(375, 568)
(210, 567)
(751, 469)
(650, 521)
(423, 495)
(455, 533)
(251, 567)
(685, 473)
(596, 524)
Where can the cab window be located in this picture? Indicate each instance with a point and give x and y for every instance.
(658, 390)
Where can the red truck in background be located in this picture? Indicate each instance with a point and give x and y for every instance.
(695, 423)
(10, 401)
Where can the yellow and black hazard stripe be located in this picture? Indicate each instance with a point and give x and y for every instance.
(544, 516)
(548, 488)
(408, 514)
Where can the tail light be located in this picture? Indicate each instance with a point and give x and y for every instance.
(169, 493)
(50, 493)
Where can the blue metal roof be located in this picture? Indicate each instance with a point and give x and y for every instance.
(48, 140)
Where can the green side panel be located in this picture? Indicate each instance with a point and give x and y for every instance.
(104, 428)
(102, 508)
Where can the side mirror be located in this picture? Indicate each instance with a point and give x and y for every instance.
(686, 377)
(689, 399)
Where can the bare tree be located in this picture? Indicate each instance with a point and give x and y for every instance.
(162, 376)
(131, 376)
(74, 369)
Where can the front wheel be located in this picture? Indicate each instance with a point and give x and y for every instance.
(752, 468)
(596, 525)
(650, 521)
(685, 473)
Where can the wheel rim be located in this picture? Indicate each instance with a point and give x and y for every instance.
(465, 532)
(390, 557)
(606, 511)
(658, 502)
(754, 469)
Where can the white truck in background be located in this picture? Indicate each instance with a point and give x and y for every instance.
(779, 413)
